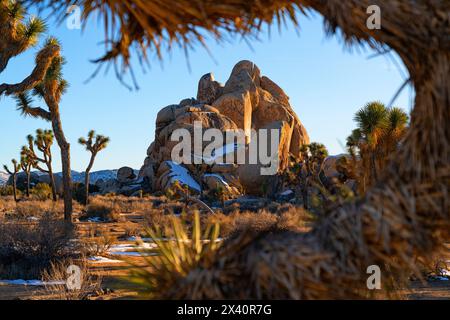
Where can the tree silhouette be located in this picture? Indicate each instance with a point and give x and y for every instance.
(13, 173)
(50, 90)
(94, 147)
(26, 163)
(378, 134)
(43, 143)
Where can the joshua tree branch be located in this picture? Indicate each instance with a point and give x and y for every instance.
(43, 61)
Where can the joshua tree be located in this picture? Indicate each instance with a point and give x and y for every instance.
(313, 156)
(18, 36)
(26, 163)
(50, 90)
(378, 134)
(43, 142)
(94, 147)
(13, 173)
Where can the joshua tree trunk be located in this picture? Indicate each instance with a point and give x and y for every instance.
(51, 177)
(65, 160)
(87, 178)
(28, 183)
(14, 182)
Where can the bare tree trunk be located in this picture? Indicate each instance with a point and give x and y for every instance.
(51, 177)
(28, 184)
(14, 187)
(87, 178)
(65, 160)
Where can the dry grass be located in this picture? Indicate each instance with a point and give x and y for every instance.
(106, 210)
(27, 208)
(288, 219)
(55, 279)
(27, 249)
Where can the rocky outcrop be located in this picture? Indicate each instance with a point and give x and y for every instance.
(247, 101)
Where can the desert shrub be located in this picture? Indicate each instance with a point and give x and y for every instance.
(7, 203)
(98, 245)
(55, 278)
(27, 249)
(104, 209)
(79, 191)
(8, 191)
(42, 191)
(287, 218)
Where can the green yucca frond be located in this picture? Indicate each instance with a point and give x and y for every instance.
(15, 10)
(23, 102)
(33, 28)
(397, 119)
(178, 256)
(371, 117)
(54, 72)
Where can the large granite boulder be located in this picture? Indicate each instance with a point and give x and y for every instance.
(247, 101)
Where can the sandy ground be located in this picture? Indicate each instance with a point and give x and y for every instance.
(114, 274)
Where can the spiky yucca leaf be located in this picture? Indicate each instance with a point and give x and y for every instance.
(15, 10)
(23, 102)
(176, 257)
(33, 29)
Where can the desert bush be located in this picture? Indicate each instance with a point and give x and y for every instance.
(55, 279)
(7, 204)
(27, 249)
(287, 218)
(79, 191)
(42, 191)
(8, 191)
(104, 209)
(98, 245)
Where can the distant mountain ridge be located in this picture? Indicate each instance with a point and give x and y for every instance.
(76, 176)
(3, 178)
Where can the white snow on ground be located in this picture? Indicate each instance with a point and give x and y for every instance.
(124, 247)
(134, 254)
(20, 282)
(100, 259)
(181, 174)
(287, 192)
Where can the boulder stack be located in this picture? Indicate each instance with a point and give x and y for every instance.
(247, 101)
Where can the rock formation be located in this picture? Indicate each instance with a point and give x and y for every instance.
(247, 101)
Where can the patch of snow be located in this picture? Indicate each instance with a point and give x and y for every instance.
(181, 174)
(20, 282)
(94, 219)
(100, 259)
(287, 192)
(135, 254)
(124, 247)
(219, 154)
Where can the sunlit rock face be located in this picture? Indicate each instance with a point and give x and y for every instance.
(247, 101)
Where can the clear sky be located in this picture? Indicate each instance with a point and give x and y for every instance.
(326, 84)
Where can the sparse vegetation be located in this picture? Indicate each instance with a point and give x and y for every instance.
(13, 173)
(94, 144)
(27, 249)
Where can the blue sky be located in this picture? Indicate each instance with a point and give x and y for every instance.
(326, 84)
